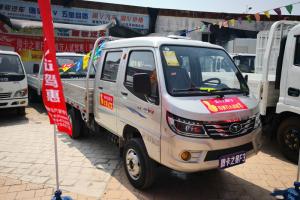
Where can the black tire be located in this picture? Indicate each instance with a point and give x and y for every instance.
(288, 137)
(76, 122)
(21, 111)
(147, 167)
(33, 97)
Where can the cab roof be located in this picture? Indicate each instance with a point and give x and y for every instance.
(68, 54)
(9, 53)
(156, 42)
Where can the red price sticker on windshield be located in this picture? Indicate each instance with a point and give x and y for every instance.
(224, 104)
(107, 101)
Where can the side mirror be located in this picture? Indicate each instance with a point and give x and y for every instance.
(246, 78)
(36, 68)
(141, 83)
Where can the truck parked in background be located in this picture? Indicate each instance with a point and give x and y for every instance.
(13, 82)
(276, 84)
(64, 61)
(165, 102)
(244, 61)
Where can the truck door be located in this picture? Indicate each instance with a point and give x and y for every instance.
(141, 111)
(293, 73)
(106, 89)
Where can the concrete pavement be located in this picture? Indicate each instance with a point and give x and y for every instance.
(91, 168)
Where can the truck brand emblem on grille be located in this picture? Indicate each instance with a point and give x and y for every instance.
(235, 128)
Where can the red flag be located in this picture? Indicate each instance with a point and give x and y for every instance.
(52, 92)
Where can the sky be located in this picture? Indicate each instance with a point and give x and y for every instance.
(229, 6)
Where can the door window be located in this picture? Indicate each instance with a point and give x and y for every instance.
(111, 66)
(142, 62)
(297, 52)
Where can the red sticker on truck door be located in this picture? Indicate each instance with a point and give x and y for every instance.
(225, 104)
(107, 101)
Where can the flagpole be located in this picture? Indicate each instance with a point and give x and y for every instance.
(56, 158)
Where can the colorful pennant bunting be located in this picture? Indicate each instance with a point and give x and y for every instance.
(278, 11)
(240, 20)
(225, 24)
(289, 8)
(220, 24)
(231, 22)
(248, 17)
(257, 17)
(267, 13)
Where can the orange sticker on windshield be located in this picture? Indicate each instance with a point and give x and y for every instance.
(107, 101)
(222, 105)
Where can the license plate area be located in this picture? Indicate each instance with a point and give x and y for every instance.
(232, 159)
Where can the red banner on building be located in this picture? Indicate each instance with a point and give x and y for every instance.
(52, 88)
(223, 104)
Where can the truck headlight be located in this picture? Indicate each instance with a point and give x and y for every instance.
(185, 127)
(21, 93)
(257, 121)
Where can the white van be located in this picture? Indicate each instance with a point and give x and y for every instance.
(13, 82)
(165, 102)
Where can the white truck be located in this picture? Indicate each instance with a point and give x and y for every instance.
(35, 79)
(276, 83)
(244, 61)
(13, 82)
(164, 106)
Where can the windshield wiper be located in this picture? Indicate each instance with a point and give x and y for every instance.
(232, 90)
(186, 90)
(9, 73)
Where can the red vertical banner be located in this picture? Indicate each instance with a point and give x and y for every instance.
(52, 91)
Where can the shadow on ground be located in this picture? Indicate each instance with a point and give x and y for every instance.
(271, 148)
(10, 117)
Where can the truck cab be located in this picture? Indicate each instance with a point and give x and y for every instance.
(276, 84)
(288, 105)
(13, 79)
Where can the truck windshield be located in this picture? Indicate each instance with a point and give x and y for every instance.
(192, 71)
(245, 63)
(70, 66)
(10, 65)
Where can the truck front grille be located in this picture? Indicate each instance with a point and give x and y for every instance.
(230, 129)
(5, 95)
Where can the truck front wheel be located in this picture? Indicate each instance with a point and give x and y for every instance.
(139, 168)
(288, 137)
(76, 122)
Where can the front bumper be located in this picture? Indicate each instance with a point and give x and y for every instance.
(15, 102)
(205, 152)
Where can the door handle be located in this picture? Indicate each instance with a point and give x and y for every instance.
(294, 92)
(100, 88)
(124, 93)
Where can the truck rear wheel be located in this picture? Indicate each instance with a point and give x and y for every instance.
(288, 137)
(139, 168)
(33, 96)
(76, 122)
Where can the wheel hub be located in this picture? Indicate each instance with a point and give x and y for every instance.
(133, 164)
(291, 139)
